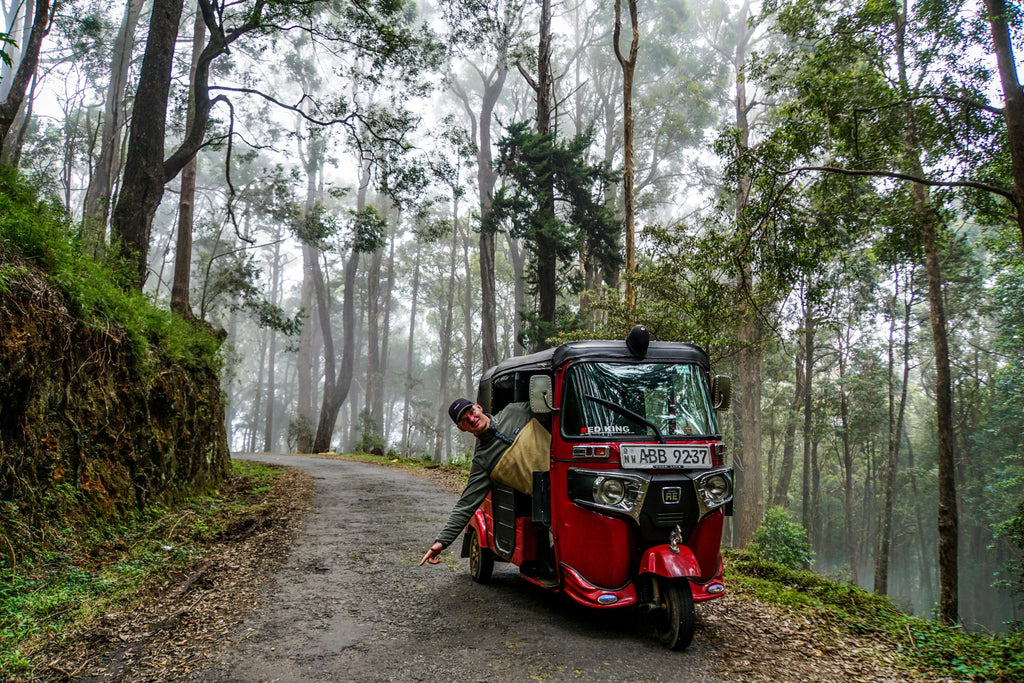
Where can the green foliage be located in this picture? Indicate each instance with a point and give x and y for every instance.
(102, 568)
(581, 222)
(782, 541)
(40, 232)
(5, 42)
(370, 439)
(939, 650)
(1013, 531)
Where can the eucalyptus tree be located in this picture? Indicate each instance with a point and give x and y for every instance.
(866, 103)
(38, 16)
(628, 65)
(487, 36)
(384, 33)
(186, 200)
(96, 207)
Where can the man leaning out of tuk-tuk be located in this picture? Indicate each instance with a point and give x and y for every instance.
(495, 437)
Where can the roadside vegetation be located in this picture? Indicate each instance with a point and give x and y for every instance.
(75, 579)
(773, 570)
(40, 232)
(64, 583)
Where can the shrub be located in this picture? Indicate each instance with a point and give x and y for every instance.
(781, 540)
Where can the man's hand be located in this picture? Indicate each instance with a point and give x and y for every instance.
(432, 555)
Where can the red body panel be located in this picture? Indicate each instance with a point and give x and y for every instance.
(597, 553)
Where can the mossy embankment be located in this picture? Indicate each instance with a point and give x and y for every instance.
(108, 404)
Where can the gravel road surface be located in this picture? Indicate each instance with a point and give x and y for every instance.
(351, 604)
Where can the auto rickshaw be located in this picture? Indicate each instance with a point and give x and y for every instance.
(630, 511)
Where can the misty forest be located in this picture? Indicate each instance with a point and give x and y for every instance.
(377, 200)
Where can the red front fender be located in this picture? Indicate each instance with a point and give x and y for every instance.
(478, 522)
(660, 560)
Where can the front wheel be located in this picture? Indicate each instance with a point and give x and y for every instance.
(481, 560)
(676, 617)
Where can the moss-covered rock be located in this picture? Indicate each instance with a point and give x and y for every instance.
(92, 429)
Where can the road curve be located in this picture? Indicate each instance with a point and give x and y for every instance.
(351, 604)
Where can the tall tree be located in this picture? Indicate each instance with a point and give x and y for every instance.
(187, 195)
(142, 186)
(628, 65)
(1000, 20)
(41, 21)
(96, 208)
(491, 30)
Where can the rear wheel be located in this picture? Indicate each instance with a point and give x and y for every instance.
(676, 618)
(481, 560)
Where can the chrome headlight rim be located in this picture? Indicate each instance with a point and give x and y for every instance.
(634, 485)
(714, 489)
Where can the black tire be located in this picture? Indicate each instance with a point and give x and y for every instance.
(676, 618)
(481, 560)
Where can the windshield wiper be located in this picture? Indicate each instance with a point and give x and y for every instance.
(628, 413)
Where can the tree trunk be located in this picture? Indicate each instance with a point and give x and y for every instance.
(385, 337)
(187, 198)
(849, 531)
(486, 179)
(96, 208)
(445, 348)
(628, 67)
(410, 382)
(807, 509)
(374, 378)
(747, 464)
(469, 321)
(518, 258)
(26, 69)
(1013, 101)
(275, 288)
(14, 143)
(928, 218)
(311, 153)
(336, 387)
(749, 479)
(781, 498)
(304, 356)
(896, 416)
(143, 183)
(546, 254)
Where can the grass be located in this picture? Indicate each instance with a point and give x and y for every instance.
(72, 581)
(933, 648)
(42, 233)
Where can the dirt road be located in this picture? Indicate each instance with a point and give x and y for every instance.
(351, 604)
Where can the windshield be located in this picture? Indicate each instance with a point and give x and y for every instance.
(674, 397)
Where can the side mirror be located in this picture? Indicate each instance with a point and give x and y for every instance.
(542, 399)
(721, 392)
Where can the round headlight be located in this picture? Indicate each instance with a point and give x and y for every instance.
(717, 488)
(609, 491)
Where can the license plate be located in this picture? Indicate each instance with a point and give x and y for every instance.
(653, 456)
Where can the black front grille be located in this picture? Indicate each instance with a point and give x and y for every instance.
(671, 500)
(669, 519)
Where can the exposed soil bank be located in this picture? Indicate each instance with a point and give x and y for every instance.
(89, 427)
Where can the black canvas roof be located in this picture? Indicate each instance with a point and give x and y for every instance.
(671, 352)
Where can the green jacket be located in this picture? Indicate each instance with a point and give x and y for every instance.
(490, 446)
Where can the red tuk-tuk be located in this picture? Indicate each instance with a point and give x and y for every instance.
(630, 512)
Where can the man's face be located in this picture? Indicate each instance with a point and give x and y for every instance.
(474, 420)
